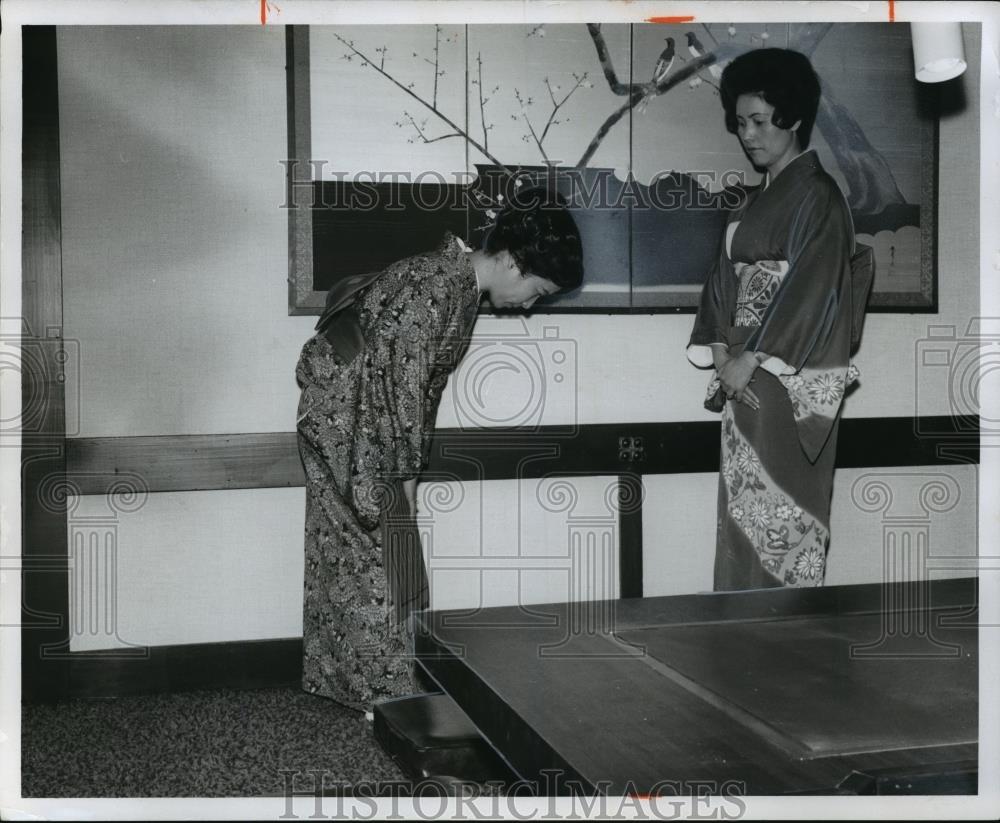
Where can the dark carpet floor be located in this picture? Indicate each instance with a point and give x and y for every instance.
(218, 743)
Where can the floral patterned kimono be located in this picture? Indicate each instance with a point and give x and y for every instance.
(364, 423)
(781, 287)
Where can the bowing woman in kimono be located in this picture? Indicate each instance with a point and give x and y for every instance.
(775, 322)
(371, 380)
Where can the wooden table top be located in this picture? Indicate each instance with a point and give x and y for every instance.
(762, 692)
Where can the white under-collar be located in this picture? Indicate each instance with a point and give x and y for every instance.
(468, 250)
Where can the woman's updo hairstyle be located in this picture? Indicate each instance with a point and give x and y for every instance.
(537, 229)
(784, 78)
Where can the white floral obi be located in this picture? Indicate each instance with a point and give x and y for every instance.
(758, 283)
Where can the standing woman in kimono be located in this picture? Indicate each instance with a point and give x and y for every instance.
(775, 322)
(371, 380)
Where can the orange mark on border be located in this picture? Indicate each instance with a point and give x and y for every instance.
(892, 11)
(263, 12)
(687, 18)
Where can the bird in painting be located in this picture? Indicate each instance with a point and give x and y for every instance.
(665, 61)
(660, 71)
(698, 50)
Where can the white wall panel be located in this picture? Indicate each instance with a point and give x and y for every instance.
(508, 542)
(186, 567)
(877, 512)
(174, 243)
(936, 504)
(678, 533)
(198, 567)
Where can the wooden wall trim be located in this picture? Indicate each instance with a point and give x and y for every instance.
(45, 574)
(301, 298)
(100, 465)
(630, 537)
(270, 460)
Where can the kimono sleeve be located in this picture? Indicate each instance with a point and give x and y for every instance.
(439, 357)
(800, 326)
(714, 318)
(399, 395)
(808, 324)
(422, 368)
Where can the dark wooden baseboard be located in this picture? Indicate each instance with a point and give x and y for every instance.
(247, 664)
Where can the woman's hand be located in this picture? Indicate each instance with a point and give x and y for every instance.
(735, 376)
(720, 355)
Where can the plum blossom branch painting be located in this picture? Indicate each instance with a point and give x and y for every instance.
(399, 133)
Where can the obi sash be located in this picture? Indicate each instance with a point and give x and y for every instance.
(338, 324)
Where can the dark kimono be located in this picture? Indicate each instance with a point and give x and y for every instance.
(364, 424)
(781, 287)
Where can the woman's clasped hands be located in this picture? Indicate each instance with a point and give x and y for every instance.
(736, 375)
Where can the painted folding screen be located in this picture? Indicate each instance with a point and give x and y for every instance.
(398, 133)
